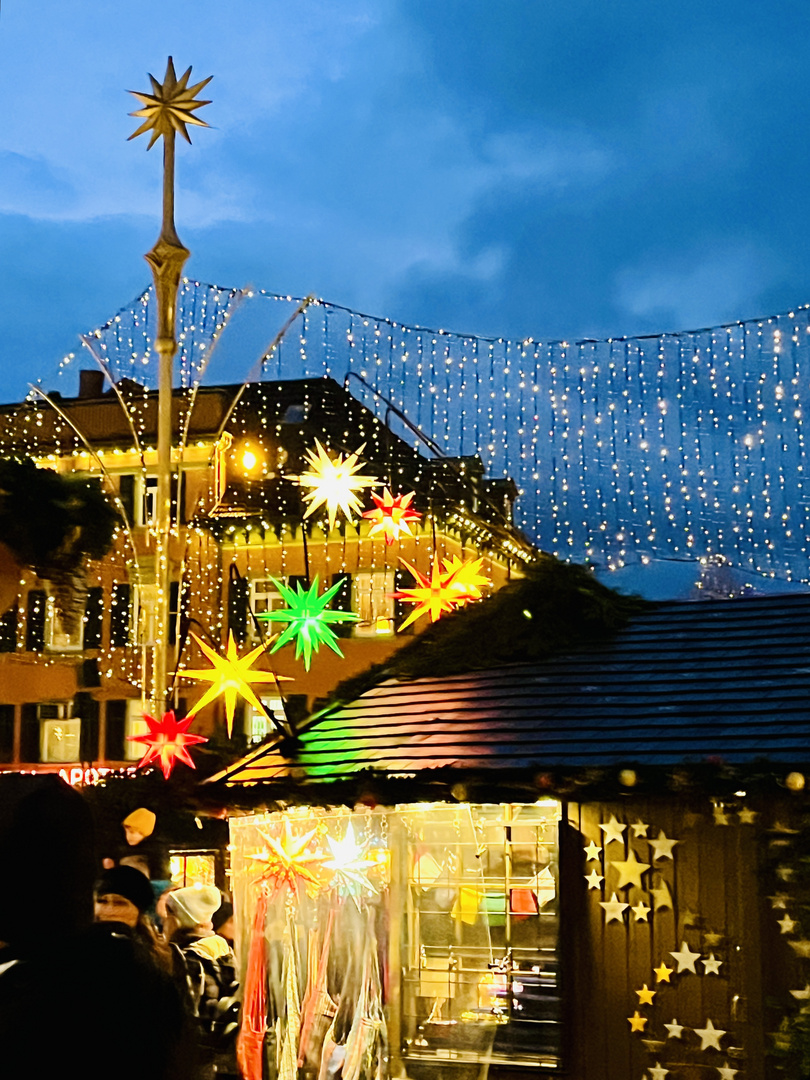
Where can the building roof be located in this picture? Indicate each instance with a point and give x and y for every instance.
(710, 681)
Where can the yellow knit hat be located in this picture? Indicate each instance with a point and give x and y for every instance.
(142, 820)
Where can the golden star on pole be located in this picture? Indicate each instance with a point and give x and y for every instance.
(334, 482)
(170, 107)
(231, 676)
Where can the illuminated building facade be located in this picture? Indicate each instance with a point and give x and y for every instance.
(72, 699)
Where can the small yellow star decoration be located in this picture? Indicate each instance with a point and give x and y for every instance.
(170, 107)
(231, 676)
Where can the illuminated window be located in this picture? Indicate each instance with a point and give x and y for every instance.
(257, 724)
(57, 639)
(193, 868)
(373, 602)
(59, 732)
(134, 725)
(264, 596)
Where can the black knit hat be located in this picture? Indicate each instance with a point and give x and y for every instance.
(128, 882)
(221, 915)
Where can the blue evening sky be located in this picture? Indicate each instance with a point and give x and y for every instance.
(553, 168)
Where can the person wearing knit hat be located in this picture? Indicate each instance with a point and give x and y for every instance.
(138, 825)
(194, 905)
(123, 894)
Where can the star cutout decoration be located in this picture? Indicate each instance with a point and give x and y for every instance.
(465, 578)
(349, 866)
(801, 947)
(727, 1073)
(711, 966)
(391, 515)
(645, 995)
(630, 870)
(170, 106)
(641, 911)
(592, 851)
(166, 742)
(709, 1036)
(778, 901)
(746, 817)
(593, 879)
(432, 596)
(308, 619)
(231, 677)
(662, 847)
(662, 973)
(637, 1022)
(685, 959)
(674, 1029)
(661, 896)
(614, 909)
(802, 995)
(786, 924)
(287, 862)
(612, 829)
(720, 815)
(334, 483)
(710, 938)
(659, 1072)
(639, 829)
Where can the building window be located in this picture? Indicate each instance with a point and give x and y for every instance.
(59, 732)
(134, 725)
(57, 638)
(373, 601)
(263, 596)
(257, 724)
(193, 868)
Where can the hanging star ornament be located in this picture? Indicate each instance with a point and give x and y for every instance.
(709, 1036)
(308, 619)
(231, 677)
(349, 865)
(288, 862)
(685, 959)
(166, 742)
(391, 515)
(432, 596)
(630, 870)
(465, 578)
(334, 483)
(612, 829)
(170, 107)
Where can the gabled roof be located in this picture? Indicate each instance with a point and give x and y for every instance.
(711, 681)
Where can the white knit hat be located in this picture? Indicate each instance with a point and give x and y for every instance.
(195, 904)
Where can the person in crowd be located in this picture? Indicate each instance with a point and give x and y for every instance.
(205, 967)
(222, 921)
(68, 986)
(124, 895)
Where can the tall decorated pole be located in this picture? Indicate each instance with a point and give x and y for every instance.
(165, 112)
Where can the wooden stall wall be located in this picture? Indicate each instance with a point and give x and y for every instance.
(665, 961)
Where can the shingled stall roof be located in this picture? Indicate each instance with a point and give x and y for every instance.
(710, 684)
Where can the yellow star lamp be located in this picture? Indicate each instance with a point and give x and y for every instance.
(432, 595)
(465, 578)
(287, 862)
(334, 481)
(231, 676)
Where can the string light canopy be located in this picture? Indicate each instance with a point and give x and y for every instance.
(231, 677)
(391, 515)
(166, 742)
(335, 482)
(309, 619)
